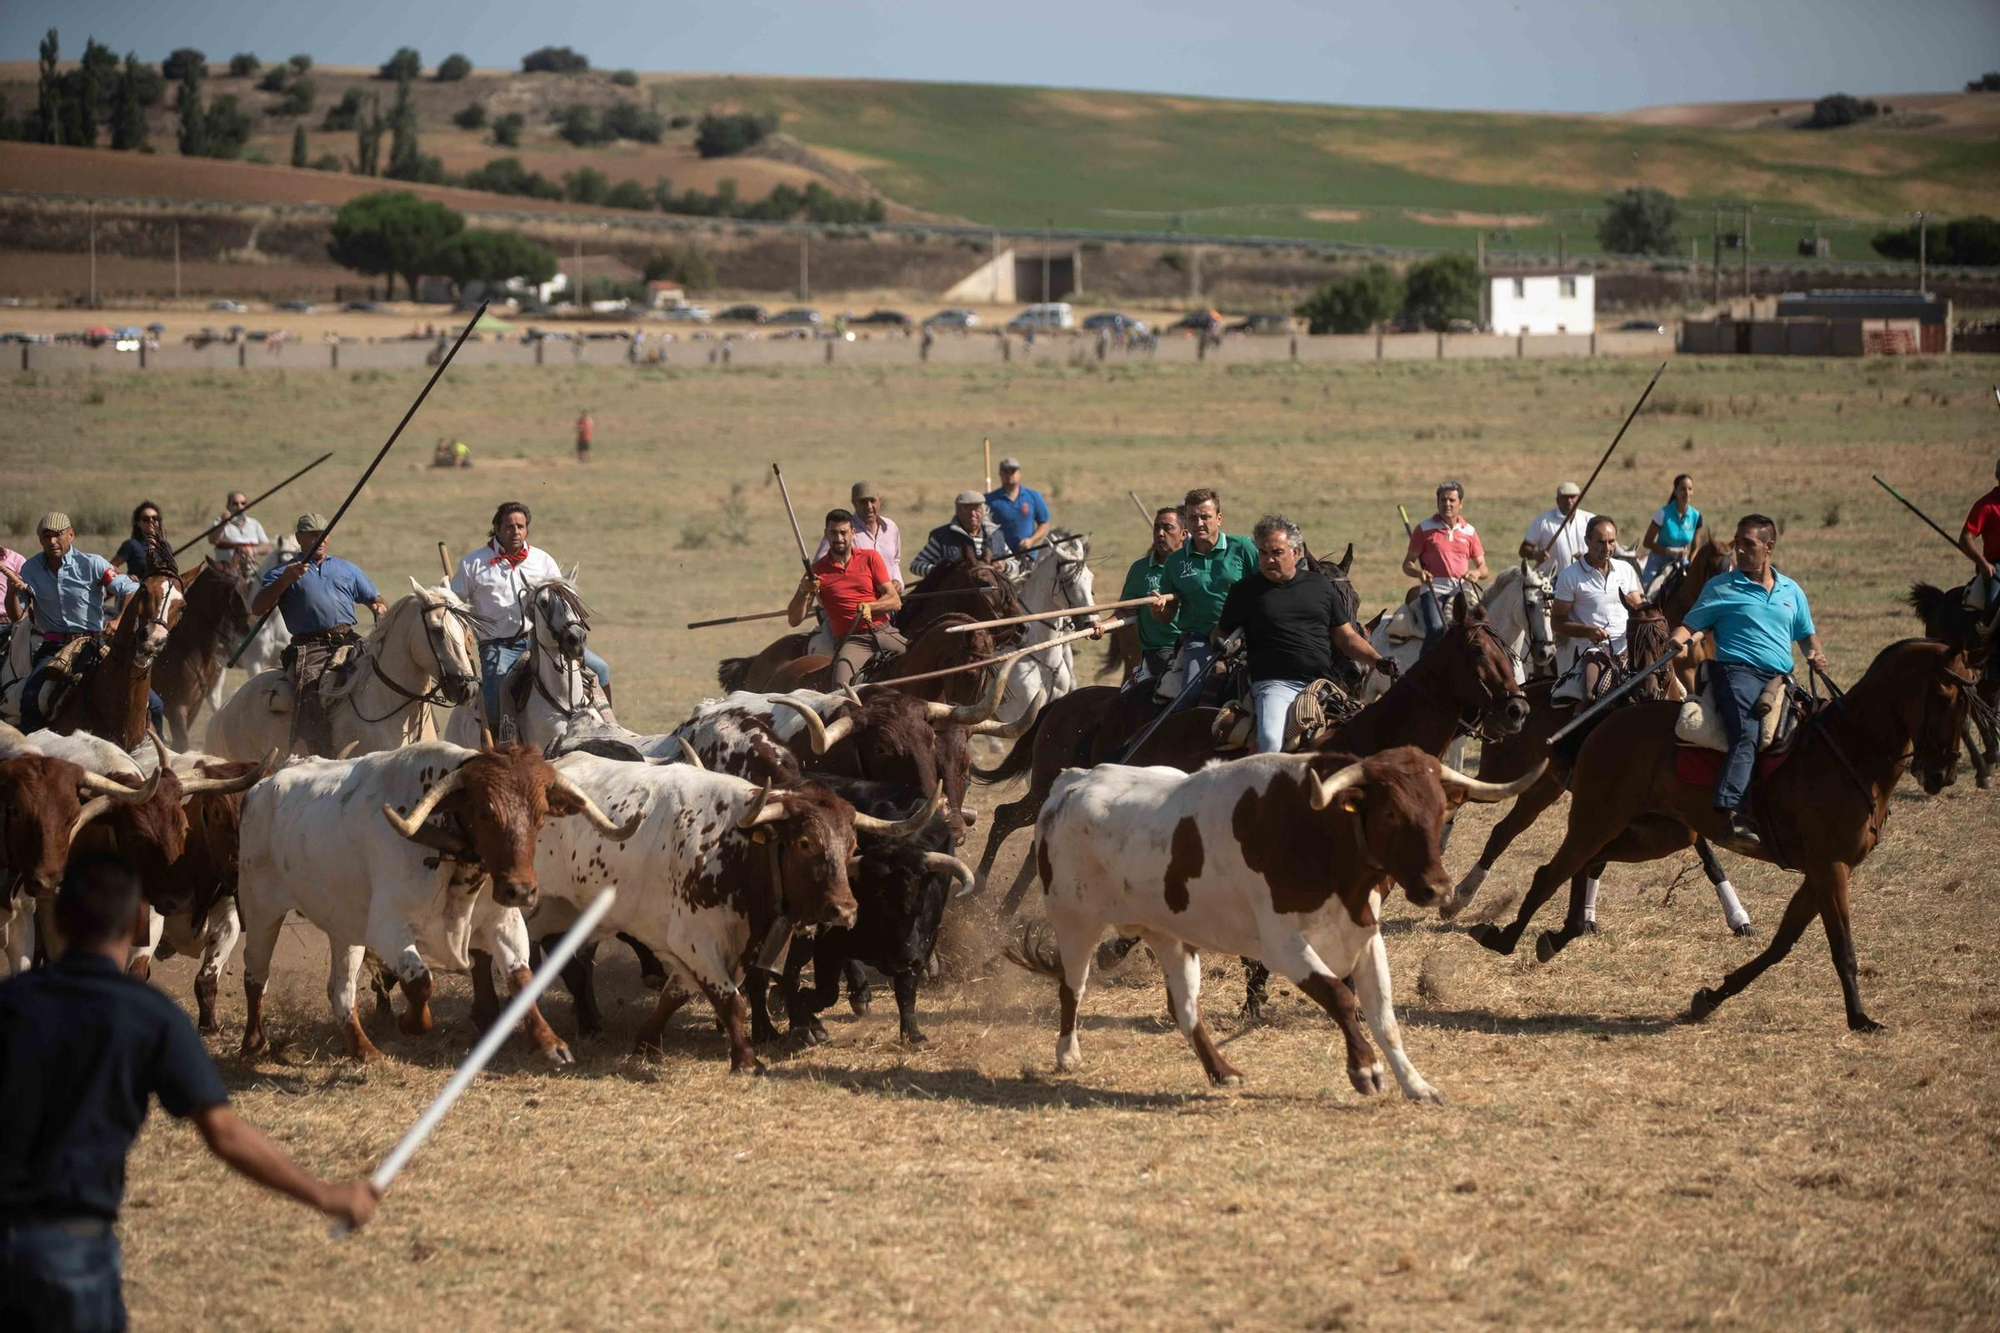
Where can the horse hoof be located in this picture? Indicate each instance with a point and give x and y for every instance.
(1865, 1024)
(1703, 1004)
(1488, 936)
(1587, 928)
(1547, 945)
(1746, 931)
(860, 1002)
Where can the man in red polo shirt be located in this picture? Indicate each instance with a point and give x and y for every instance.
(1444, 552)
(1981, 541)
(855, 588)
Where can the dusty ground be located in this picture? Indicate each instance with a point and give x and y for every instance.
(1599, 1164)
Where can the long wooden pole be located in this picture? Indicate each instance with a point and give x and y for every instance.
(987, 444)
(218, 526)
(1105, 627)
(1629, 418)
(734, 620)
(1144, 513)
(1951, 540)
(1058, 614)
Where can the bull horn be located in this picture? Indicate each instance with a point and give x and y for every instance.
(347, 750)
(117, 792)
(966, 715)
(598, 819)
(1325, 789)
(940, 863)
(902, 828)
(1475, 790)
(242, 782)
(408, 825)
(763, 810)
(853, 695)
(687, 753)
(815, 725)
(1009, 731)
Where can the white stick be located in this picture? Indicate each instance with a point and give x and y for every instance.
(503, 1027)
(1057, 614)
(1106, 626)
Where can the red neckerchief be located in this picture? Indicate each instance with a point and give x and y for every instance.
(501, 557)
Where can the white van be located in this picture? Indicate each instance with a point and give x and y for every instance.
(1050, 315)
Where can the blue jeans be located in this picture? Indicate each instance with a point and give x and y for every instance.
(1430, 616)
(1736, 689)
(498, 656)
(1272, 700)
(1656, 563)
(60, 1278)
(1194, 652)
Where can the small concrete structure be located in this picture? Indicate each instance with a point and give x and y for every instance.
(1540, 300)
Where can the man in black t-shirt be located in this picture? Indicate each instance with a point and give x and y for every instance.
(1291, 622)
(83, 1047)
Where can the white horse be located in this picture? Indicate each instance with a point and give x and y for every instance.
(420, 653)
(267, 647)
(560, 694)
(14, 669)
(1059, 580)
(1517, 608)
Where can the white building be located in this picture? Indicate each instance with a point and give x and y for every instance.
(1540, 300)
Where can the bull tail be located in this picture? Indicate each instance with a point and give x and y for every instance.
(1035, 950)
(733, 673)
(1015, 760)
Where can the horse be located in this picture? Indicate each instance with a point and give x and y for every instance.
(112, 700)
(1508, 757)
(191, 666)
(934, 650)
(1945, 617)
(1675, 594)
(421, 652)
(558, 623)
(266, 651)
(1060, 580)
(1517, 605)
(1821, 810)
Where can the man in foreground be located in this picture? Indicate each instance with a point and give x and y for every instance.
(83, 1048)
(854, 586)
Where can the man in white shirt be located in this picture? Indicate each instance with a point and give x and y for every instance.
(494, 579)
(1594, 599)
(1556, 537)
(235, 534)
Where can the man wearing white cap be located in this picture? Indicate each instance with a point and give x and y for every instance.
(1019, 511)
(966, 537)
(1558, 536)
(67, 587)
(873, 530)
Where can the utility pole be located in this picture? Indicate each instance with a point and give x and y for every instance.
(1715, 236)
(577, 295)
(177, 261)
(993, 252)
(1746, 254)
(1048, 229)
(1194, 275)
(1562, 249)
(93, 256)
(805, 266)
(1923, 255)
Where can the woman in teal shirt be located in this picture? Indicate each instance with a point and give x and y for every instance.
(1672, 534)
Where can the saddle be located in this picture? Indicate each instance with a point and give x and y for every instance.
(1777, 710)
(1569, 687)
(67, 671)
(1319, 707)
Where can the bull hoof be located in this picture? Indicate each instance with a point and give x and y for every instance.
(755, 1068)
(252, 1047)
(913, 1037)
(1228, 1078)
(649, 1051)
(1421, 1091)
(1984, 783)
(1746, 931)
(559, 1054)
(1367, 1081)
(1703, 1004)
(861, 1002)
(368, 1053)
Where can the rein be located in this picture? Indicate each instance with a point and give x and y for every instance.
(432, 696)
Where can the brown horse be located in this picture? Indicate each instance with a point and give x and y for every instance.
(1679, 592)
(112, 701)
(1821, 810)
(197, 651)
(933, 650)
(1945, 617)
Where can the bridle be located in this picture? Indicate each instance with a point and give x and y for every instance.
(571, 667)
(159, 621)
(433, 639)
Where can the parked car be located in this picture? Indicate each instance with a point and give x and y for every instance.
(1197, 321)
(1120, 325)
(36, 338)
(371, 307)
(745, 314)
(1642, 326)
(1043, 316)
(683, 314)
(1460, 326)
(298, 307)
(958, 317)
(1265, 322)
(798, 314)
(232, 307)
(891, 318)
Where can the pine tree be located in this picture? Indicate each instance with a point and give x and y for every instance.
(368, 141)
(298, 145)
(194, 119)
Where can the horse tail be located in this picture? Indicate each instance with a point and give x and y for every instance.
(1016, 759)
(733, 673)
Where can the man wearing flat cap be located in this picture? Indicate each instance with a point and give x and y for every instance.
(873, 530)
(1558, 536)
(1019, 511)
(317, 600)
(967, 537)
(66, 587)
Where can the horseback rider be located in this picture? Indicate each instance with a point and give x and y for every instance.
(874, 530)
(1444, 551)
(1983, 523)
(1755, 615)
(853, 585)
(1594, 598)
(1672, 535)
(1291, 622)
(494, 581)
(1146, 577)
(1019, 511)
(234, 533)
(317, 601)
(1199, 576)
(67, 588)
(967, 537)
(1555, 537)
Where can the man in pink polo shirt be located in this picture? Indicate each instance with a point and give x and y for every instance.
(1444, 552)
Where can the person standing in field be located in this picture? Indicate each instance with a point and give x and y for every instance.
(1444, 552)
(584, 428)
(1674, 532)
(83, 1049)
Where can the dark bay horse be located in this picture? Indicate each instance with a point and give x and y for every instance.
(198, 648)
(112, 703)
(933, 650)
(1821, 810)
(1945, 617)
(1507, 757)
(1681, 588)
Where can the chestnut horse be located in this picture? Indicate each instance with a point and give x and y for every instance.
(112, 702)
(216, 619)
(1945, 617)
(933, 650)
(1820, 811)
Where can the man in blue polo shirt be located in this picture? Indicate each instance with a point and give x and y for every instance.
(1755, 615)
(83, 1049)
(317, 600)
(1019, 511)
(67, 587)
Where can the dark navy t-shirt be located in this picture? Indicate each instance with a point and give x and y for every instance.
(1286, 626)
(82, 1048)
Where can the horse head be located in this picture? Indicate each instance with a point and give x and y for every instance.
(432, 631)
(561, 617)
(1479, 670)
(150, 615)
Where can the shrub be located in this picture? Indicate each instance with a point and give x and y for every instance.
(1356, 303)
(344, 115)
(507, 129)
(554, 60)
(176, 66)
(578, 125)
(148, 84)
(1640, 221)
(228, 128)
(326, 162)
(504, 175)
(680, 122)
(493, 257)
(298, 98)
(629, 120)
(1972, 242)
(1830, 113)
(405, 64)
(453, 68)
(1437, 291)
(682, 265)
(726, 135)
(473, 117)
(1989, 82)
(586, 185)
(242, 65)
(629, 194)
(300, 64)
(625, 78)
(274, 79)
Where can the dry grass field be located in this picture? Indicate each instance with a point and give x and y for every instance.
(1599, 1164)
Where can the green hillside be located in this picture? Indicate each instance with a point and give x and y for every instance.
(1019, 156)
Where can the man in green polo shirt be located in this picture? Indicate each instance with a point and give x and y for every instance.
(1199, 576)
(1146, 577)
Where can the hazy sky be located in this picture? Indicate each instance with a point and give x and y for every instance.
(1552, 55)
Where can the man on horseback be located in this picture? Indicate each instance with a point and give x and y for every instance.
(317, 601)
(1147, 577)
(1291, 622)
(1981, 541)
(874, 530)
(1199, 576)
(1755, 615)
(67, 590)
(1556, 536)
(1019, 511)
(966, 537)
(1444, 552)
(236, 535)
(1594, 598)
(854, 586)
(494, 580)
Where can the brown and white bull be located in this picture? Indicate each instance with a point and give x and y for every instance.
(344, 843)
(1278, 857)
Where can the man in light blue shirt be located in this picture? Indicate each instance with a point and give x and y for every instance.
(1019, 511)
(317, 600)
(1755, 615)
(67, 586)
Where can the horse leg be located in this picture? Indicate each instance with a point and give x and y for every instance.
(1982, 768)
(1799, 912)
(1579, 850)
(579, 978)
(1527, 808)
(1580, 919)
(1725, 892)
(1007, 818)
(1839, 922)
